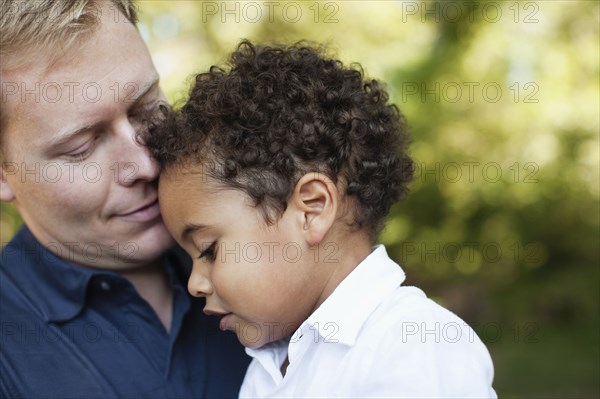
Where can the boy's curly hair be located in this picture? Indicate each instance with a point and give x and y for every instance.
(279, 112)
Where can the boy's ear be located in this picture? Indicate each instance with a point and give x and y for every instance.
(317, 199)
(6, 192)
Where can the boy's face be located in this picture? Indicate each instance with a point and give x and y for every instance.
(262, 279)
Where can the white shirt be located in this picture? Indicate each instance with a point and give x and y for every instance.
(373, 337)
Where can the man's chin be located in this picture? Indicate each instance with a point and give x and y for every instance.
(146, 246)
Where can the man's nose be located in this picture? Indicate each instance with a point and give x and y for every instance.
(135, 162)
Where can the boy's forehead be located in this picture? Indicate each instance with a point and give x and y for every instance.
(185, 195)
(187, 176)
(192, 163)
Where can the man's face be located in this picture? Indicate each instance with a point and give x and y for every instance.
(71, 163)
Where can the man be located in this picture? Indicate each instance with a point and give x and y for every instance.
(92, 299)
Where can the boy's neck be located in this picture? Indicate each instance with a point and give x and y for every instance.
(352, 249)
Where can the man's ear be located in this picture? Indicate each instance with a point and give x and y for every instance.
(6, 192)
(317, 199)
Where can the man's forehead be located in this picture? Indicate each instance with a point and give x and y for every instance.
(108, 67)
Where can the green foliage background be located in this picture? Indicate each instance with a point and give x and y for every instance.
(502, 225)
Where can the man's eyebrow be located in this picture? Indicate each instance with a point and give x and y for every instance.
(150, 84)
(65, 136)
(192, 228)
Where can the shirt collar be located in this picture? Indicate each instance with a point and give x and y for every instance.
(271, 356)
(355, 298)
(56, 287)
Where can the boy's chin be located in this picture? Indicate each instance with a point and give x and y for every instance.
(253, 344)
(252, 336)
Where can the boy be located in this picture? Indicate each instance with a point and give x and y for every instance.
(277, 175)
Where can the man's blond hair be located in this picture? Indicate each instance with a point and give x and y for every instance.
(30, 29)
(29, 26)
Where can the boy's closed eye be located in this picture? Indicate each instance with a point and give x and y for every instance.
(209, 253)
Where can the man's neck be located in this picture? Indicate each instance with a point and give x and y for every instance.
(152, 285)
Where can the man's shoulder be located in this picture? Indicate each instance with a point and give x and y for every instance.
(13, 301)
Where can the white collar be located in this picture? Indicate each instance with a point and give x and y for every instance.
(355, 298)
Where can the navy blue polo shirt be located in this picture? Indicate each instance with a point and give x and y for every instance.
(71, 332)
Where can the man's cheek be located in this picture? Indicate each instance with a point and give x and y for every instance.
(75, 197)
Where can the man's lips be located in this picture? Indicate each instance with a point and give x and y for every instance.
(143, 214)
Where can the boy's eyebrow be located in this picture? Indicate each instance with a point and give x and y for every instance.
(192, 228)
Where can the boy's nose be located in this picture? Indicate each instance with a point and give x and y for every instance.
(198, 284)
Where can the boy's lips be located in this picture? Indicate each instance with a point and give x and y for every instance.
(223, 323)
(224, 317)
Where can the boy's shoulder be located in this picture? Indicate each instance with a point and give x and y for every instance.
(409, 303)
(408, 312)
(407, 324)
(399, 306)
(372, 305)
(424, 347)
